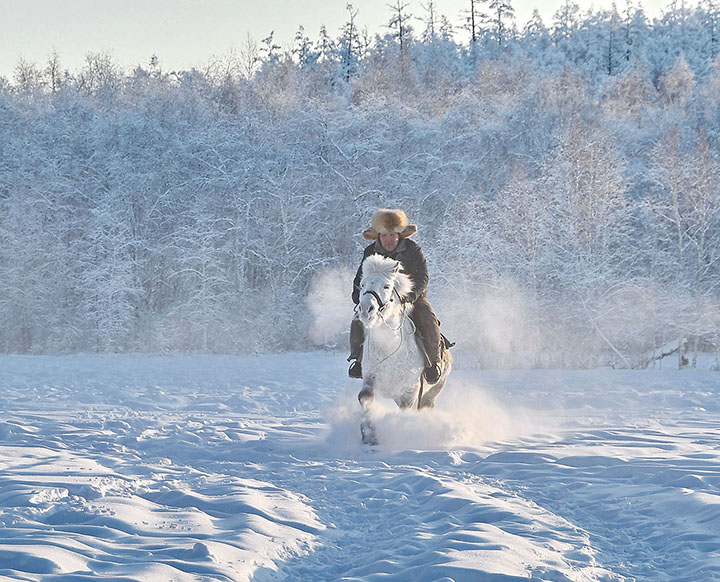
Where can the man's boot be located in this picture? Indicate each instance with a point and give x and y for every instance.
(357, 339)
(432, 373)
(355, 370)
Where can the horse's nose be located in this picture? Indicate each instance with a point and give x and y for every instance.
(370, 309)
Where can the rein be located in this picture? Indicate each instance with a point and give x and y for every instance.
(404, 317)
(382, 305)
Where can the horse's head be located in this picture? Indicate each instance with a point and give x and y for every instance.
(382, 286)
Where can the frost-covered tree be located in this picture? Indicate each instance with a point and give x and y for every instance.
(711, 18)
(269, 51)
(54, 73)
(399, 23)
(501, 20)
(431, 32)
(535, 35)
(474, 18)
(615, 51)
(349, 45)
(249, 57)
(676, 86)
(27, 77)
(303, 49)
(565, 25)
(100, 76)
(684, 215)
(566, 185)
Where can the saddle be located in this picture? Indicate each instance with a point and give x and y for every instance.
(445, 343)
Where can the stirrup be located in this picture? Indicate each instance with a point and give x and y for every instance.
(355, 370)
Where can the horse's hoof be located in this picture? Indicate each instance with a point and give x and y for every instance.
(365, 396)
(367, 431)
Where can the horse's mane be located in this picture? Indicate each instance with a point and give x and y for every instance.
(378, 264)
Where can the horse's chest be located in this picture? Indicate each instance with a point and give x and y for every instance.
(394, 361)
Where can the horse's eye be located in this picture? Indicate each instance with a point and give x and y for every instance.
(386, 287)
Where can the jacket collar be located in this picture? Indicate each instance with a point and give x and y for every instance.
(398, 249)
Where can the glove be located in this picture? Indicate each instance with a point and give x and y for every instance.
(407, 300)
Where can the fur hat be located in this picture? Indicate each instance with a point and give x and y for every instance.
(385, 221)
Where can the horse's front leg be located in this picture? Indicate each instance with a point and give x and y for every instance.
(366, 396)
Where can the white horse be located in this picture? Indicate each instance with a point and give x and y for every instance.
(393, 359)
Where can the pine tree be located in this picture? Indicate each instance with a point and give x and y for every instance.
(399, 23)
(474, 20)
(303, 49)
(501, 20)
(432, 25)
(349, 45)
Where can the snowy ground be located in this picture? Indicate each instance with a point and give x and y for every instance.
(222, 468)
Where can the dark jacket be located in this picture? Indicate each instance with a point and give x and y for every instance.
(413, 263)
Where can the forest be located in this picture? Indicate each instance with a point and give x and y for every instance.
(564, 178)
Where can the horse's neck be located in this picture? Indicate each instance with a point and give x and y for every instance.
(392, 355)
(394, 317)
(394, 325)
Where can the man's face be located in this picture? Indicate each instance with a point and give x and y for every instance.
(389, 241)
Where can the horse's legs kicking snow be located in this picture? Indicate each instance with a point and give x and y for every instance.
(429, 396)
(367, 428)
(432, 391)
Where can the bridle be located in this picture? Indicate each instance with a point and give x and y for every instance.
(381, 304)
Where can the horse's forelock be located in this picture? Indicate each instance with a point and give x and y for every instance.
(378, 264)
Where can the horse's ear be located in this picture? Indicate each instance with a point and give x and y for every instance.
(396, 270)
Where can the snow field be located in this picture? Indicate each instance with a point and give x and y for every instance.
(250, 468)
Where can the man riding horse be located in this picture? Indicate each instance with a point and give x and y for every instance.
(390, 232)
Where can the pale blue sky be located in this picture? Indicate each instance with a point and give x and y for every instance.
(186, 33)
